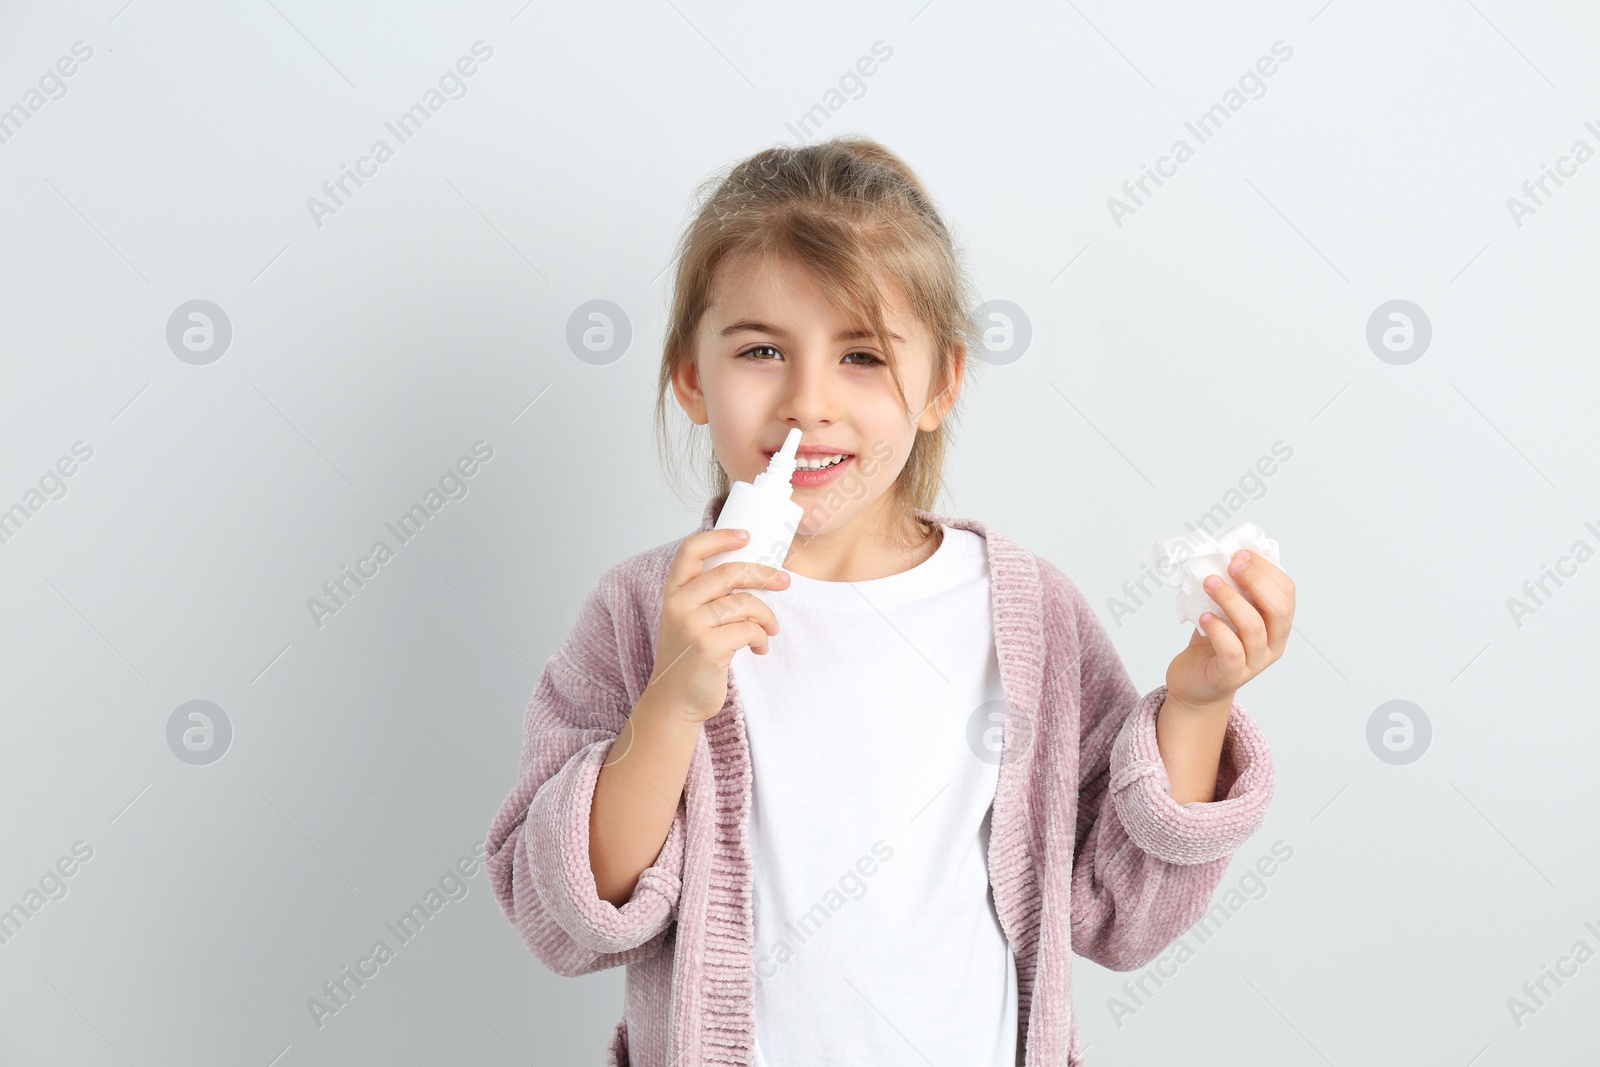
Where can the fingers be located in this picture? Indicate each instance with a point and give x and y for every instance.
(1271, 591)
(688, 577)
(712, 609)
(718, 643)
(1258, 573)
(727, 578)
(1225, 644)
(735, 634)
(738, 607)
(755, 636)
(1232, 661)
(1245, 651)
(699, 547)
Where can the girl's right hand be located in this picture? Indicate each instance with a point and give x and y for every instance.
(706, 618)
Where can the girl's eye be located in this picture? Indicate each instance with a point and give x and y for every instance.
(750, 354)
(874, 361)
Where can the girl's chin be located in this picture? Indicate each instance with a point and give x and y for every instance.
(822, 516)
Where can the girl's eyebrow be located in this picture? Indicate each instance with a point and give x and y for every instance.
(751, 326)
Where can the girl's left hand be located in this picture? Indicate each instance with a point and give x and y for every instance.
(1210, 671)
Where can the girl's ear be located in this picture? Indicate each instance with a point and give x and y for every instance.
(939, 405)
(686, 386)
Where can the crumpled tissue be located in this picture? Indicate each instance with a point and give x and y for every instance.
(1186, 561)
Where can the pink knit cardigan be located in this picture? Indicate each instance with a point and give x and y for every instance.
(1116, 882)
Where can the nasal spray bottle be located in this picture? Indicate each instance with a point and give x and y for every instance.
(765, 509)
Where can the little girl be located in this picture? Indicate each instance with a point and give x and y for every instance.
(877, 832)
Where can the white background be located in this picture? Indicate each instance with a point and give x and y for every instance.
(1168, 355)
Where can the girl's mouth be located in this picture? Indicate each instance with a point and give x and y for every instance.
(818, 468)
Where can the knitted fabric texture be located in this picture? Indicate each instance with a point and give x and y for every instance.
(1088, 852)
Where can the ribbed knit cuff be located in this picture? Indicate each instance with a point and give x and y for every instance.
(1201, 831)
(557, 832)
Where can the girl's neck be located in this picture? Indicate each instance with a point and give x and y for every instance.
(883, 540)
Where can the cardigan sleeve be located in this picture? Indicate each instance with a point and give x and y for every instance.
(1144, 866)
(537, 850)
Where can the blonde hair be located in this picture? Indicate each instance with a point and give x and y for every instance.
(846, 210)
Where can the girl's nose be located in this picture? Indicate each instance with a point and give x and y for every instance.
(809, 396)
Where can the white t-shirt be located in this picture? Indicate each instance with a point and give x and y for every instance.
(874, 741)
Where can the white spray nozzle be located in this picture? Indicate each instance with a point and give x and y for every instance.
(781, 467)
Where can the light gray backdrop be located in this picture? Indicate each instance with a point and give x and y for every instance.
(179, 488)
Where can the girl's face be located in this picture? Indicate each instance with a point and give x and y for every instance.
(772, 353)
